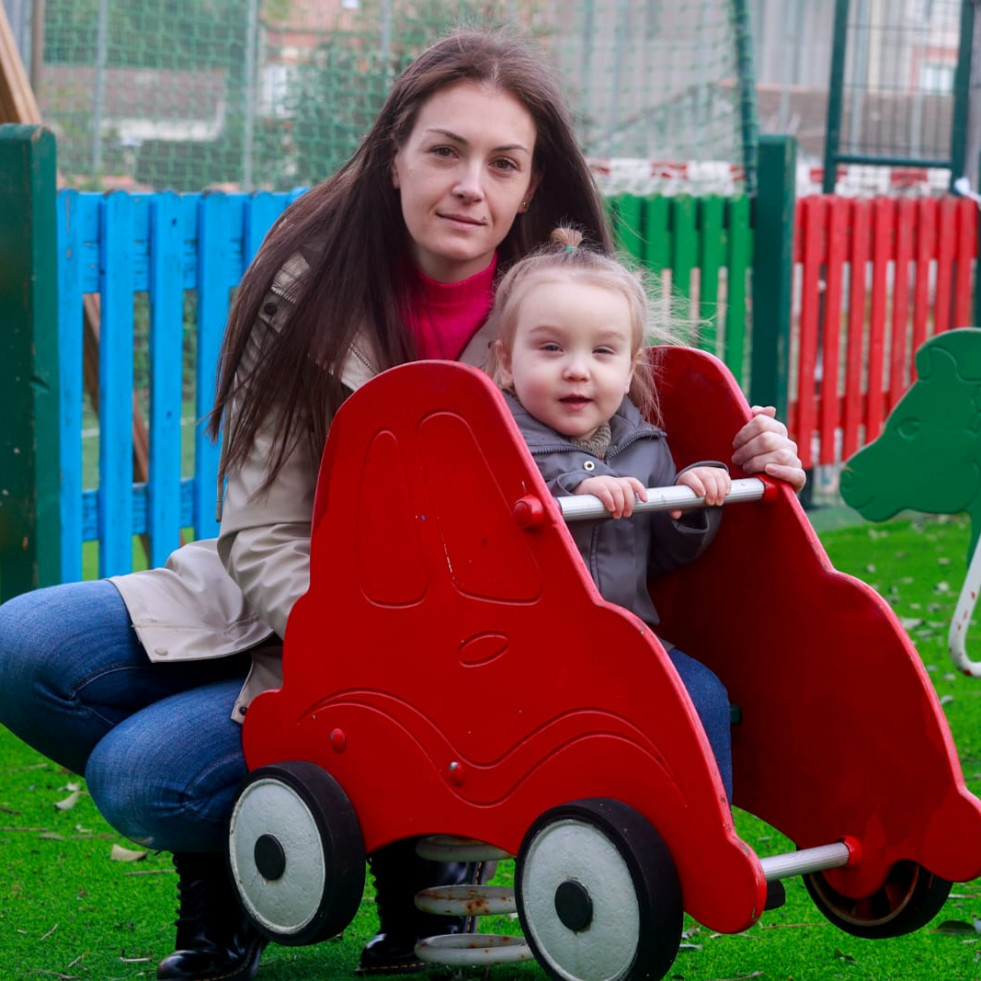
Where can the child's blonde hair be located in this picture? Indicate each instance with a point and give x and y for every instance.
(566, 253)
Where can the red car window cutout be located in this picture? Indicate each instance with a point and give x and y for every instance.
(389, 554)
(487, 553)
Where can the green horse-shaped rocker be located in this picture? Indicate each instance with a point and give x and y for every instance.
(928, 458)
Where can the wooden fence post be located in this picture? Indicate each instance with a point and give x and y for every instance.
(773, 269)
(30, 499)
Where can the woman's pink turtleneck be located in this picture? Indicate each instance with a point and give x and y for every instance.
(444, 316)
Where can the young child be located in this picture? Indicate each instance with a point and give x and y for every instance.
(571, 325)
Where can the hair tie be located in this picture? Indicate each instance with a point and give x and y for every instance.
(569, 248)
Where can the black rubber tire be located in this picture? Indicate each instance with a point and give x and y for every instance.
(296, 853)
(910, 898)
(598, 894)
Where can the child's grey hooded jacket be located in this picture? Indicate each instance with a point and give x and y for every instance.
(621, 553)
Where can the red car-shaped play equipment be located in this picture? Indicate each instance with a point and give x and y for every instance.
(453, 670)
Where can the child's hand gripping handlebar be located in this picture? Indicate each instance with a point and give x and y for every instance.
(676, 498)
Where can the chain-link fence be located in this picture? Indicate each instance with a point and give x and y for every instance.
(187, 94)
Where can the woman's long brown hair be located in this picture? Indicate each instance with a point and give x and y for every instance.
(352, 226)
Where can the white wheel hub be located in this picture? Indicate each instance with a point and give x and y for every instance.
(281, 874)
(580, 902)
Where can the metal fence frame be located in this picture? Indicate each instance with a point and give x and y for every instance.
(956, 160)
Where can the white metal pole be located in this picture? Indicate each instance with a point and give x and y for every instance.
(385, 43)
(806, 860)
(582, 506)
(957, 636)
(248, 127)
(99, 98)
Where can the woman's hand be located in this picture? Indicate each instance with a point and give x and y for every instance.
(763, 446)
(616, 493)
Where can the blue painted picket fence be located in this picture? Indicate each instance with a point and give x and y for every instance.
(118, 245)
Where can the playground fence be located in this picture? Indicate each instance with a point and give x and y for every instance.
(120, 246)
(874, 278)
(142, 254)
(866, 282)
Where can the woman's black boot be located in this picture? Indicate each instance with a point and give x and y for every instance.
(215, 939)
(399, 874)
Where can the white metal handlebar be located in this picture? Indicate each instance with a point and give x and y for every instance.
(582, 506)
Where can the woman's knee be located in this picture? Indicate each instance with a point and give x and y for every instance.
(48, 629)
(22, 627)
(53, 639)
(55, 644)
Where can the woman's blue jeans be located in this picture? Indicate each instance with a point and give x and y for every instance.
(160, 753)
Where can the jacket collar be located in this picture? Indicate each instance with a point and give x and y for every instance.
(626, 422)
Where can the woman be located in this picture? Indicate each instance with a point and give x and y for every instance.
(140, 682)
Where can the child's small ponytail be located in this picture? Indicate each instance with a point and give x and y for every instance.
(569, 239)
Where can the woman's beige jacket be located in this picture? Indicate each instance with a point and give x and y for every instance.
(222, 596)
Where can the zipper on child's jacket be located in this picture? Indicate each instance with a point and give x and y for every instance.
(629, 440)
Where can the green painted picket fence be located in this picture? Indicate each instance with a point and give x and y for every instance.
(702, 250)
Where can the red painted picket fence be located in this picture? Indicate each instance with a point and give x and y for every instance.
(874, 279)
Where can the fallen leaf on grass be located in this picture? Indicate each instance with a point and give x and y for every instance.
(840, 955)
(120, 854)
(958, 927)
(72, 799)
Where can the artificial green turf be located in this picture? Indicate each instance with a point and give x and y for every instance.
(67, 910)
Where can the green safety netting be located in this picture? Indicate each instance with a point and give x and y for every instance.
(187, 94)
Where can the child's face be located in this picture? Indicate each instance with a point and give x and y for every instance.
(572, 355)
